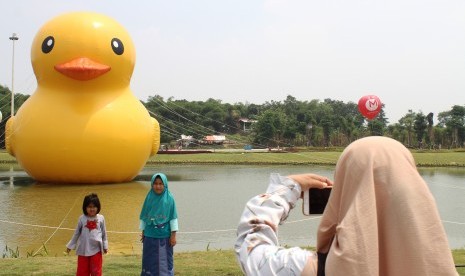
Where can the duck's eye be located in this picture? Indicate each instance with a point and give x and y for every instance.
(117, 46)
(48, 44)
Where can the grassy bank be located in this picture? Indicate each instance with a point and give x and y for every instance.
(439, 158)
(215, 263)
(422, 158)
(188, 263)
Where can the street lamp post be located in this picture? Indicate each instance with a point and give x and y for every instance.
(13, 38)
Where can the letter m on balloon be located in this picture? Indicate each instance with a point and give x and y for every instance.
(372, 104)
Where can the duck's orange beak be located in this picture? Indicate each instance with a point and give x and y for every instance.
(82, 69)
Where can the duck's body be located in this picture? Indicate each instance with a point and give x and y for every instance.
(78, 126)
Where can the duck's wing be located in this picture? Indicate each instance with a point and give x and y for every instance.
(156, 136)
(8, 135)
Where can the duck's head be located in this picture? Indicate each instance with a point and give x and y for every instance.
(83, 49)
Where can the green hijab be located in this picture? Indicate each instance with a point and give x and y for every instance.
(158, 209)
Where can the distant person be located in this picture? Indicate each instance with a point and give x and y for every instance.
(159, 223)
(91, 238)
(381, 219)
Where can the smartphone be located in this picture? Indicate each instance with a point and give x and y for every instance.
(315, 200)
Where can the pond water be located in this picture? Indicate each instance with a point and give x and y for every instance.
(209, 198)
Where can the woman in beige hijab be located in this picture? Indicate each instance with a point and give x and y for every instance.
(381, 218)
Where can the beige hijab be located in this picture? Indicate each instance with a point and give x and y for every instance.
(381, 218)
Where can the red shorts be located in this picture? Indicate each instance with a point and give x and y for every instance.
(89, 265)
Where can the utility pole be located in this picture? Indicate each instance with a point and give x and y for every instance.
(13, 38)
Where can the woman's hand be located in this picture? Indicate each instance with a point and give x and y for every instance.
(142, 237)
(310, 180)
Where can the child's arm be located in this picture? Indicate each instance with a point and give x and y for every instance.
(104, 236)
(72, 243)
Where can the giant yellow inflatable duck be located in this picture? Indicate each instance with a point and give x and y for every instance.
(82, 124)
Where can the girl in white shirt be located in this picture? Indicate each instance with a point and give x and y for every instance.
(90, 237)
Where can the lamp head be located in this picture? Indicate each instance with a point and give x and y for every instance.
(14, 37)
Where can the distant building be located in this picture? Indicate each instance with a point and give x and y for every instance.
(185, 141)
(246, 124)
(214, 139)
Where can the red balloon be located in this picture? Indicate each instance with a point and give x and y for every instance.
(369, 106)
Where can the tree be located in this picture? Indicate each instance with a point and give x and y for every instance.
(324, 118)
(407, 123)
(269, 128)
(346, 120)
(378, 125)
(455, 121)
(396, 131)
(429, 137)
(213, 115)
(19, 99)
(420, 125)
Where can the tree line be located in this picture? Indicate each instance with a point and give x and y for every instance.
(316, 123)
(327, 123)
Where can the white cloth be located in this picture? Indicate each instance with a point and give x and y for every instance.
(257, 248)
(89, 241)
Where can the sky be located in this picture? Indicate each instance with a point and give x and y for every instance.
(410, 53)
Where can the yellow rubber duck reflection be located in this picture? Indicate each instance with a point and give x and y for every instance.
(82, 124)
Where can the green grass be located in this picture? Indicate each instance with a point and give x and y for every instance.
(459, 259)
(327, 158)
(221, 262)
(440, 158)
(186, 263)
(423, 159)
(6, 158)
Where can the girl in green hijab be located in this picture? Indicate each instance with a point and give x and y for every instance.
(159, 223)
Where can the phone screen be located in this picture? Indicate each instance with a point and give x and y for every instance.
(315, 201)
